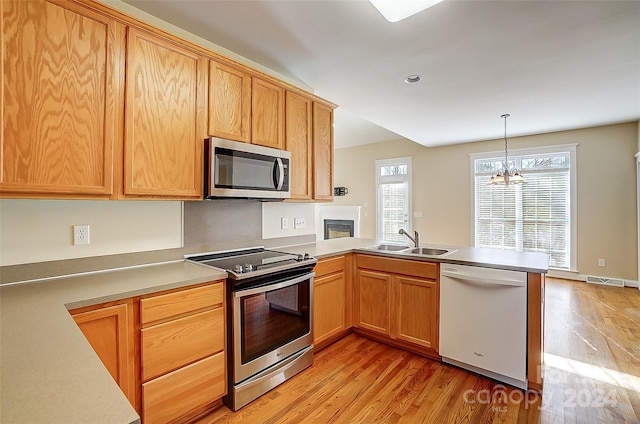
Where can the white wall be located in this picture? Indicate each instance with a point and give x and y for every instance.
(41, 230)
(273, 212)
(606, 184)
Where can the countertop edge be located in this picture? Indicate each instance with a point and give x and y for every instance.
(536, 262)
(446, 260)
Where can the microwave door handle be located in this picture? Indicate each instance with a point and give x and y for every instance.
(278, 174)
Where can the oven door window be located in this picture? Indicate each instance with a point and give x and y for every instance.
(272, 319)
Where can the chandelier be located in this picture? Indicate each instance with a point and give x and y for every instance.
(506, 175)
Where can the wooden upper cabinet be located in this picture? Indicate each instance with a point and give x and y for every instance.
(322, 152)
(61, 84)
(164, 121)
(229, 102)
(298, 142)
(267, 114)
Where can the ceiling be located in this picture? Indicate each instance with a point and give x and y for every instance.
(553, 65)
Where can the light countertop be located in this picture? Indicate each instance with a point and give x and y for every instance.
(482, 257)
(48, 371)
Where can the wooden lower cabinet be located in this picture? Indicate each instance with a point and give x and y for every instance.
(397, 300)
(331, 299)
(109, 328)
(183, 341)
(166, 351)
(417, 311)
(173, 344)
(374, 301)
(185, 392)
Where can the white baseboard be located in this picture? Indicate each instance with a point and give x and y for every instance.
(569, 275)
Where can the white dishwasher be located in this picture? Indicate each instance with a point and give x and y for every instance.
(483, 321)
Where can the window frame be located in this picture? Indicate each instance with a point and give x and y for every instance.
(573, 190)
(406, 178)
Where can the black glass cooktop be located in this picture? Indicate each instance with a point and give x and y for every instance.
(253, 262)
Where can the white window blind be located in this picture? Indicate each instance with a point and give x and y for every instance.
(534, 217)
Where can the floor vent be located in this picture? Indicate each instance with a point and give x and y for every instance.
(615, 282)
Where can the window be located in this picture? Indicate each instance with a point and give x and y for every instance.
(393, 182)
(538, 216)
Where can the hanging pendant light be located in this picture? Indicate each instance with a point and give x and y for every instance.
(506, 176)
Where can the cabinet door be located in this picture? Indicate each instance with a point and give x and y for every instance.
(322, 152)
(229, 103)
(164, 129)
(110, 331)
(416, 311)
(61, 85)
(329, 303)
(374, 297)
(298, 142)
(267, 114)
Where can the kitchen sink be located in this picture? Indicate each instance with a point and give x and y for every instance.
(389, 247)
(429, 251)
(400, 250)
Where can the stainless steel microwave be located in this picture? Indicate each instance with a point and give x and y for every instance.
(248, 171)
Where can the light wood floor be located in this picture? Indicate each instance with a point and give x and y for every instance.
(592, 375)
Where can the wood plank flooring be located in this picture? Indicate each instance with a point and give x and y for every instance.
(592, 375)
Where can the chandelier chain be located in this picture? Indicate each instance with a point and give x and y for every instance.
(506, 155)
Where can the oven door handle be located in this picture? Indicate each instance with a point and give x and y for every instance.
(271, 287)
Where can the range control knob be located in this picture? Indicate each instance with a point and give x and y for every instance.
(300, 257)
(238, 269)
(248, 267)
(306, 256)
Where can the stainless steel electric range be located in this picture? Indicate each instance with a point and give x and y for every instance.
(269, 318)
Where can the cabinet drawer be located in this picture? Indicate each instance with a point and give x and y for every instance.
(399, 266)
(177, 303)
(172, 344)
(184, 392)
(330, 265)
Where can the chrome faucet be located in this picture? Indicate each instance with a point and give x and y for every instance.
(415, 239)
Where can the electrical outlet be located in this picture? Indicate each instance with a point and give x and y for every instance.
(601, 262)
(299, 223)
(284, 223)
(81, 235)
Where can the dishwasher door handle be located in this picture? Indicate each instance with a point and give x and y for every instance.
(483, 280)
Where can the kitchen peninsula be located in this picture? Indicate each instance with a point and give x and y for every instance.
(46, 361)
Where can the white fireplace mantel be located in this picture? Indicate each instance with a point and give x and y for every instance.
(324, 211)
